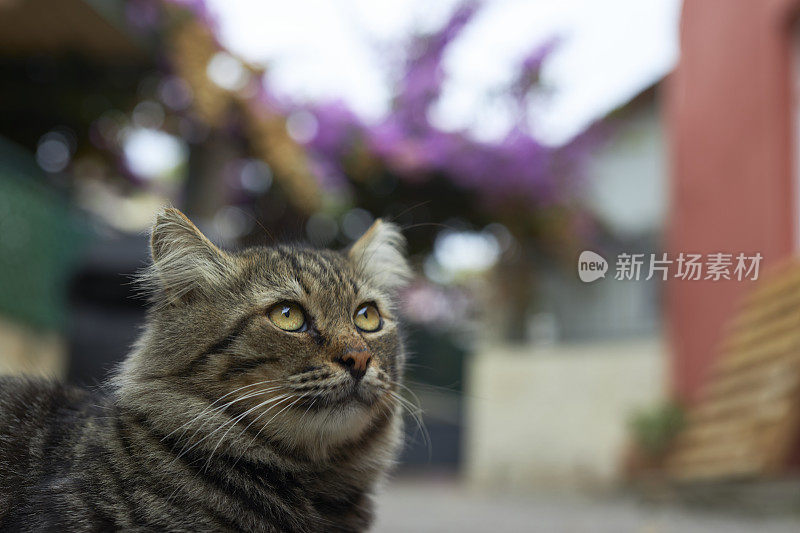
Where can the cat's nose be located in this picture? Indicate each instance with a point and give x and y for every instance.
(355, 360)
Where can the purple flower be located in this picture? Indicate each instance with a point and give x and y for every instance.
(528, 78)
(200, 10)
(516, 169)
(421, 84)
(338, 129)
(143, 14)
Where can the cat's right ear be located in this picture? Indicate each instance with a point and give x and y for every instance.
(184, 260)
(380, 255)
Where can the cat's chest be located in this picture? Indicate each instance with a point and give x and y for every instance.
(333, 497)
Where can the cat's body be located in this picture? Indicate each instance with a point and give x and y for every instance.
(77, 462)
(260, 397)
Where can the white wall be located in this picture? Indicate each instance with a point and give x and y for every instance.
(24, 350)
(627, 179)
(556, 417)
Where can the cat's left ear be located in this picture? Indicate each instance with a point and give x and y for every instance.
(380, 255)
(184, 260)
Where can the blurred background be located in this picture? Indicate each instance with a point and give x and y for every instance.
(505, 137)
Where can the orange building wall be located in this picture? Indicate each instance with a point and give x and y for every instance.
(729, 116)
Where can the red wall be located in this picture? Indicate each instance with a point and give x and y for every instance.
(729, 115)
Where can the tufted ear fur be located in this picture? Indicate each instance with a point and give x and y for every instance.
(184, 260)
(379, 255)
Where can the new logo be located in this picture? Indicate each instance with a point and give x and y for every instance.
(591, 266)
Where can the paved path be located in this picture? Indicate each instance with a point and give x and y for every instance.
(419, 506)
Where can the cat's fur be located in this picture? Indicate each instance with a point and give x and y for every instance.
(218, 420)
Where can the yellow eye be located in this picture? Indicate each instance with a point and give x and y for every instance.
(367, 318)
(288, 316)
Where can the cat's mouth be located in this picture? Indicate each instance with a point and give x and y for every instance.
(319, 388)
(346, 393)
(362, 393)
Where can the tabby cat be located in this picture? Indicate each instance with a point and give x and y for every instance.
(262, 395)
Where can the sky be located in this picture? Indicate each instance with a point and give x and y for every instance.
(347, 49)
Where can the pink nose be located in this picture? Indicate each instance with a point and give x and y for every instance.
(355, 361)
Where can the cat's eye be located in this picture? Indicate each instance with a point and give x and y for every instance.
(367, 318)
(288, 316)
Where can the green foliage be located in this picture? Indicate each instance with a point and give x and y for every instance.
(40, 243)
(653, 429)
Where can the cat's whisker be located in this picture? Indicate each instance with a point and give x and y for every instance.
(313, 401)
(416, 415)
(264, 426)
(232, 421)
(410, 392)
(220, 409)
(410, 406)
(209, 407)
(443, 389)
(310, 405)
(253, 440)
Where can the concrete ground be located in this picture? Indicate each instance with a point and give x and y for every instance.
(420, 505)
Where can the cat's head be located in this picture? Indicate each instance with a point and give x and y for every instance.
(303, 344)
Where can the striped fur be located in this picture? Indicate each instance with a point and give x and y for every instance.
(218, 420)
